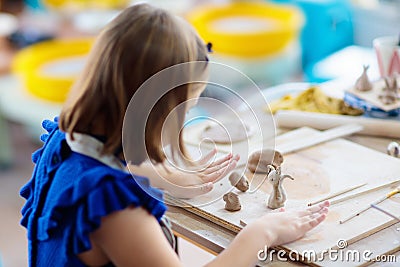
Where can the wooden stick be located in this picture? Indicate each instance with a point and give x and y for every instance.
(341, 192)
(324, 136)
(336, 201)
(379, 200)
(385, 211)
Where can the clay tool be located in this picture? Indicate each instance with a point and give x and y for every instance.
(388, 195)
(385, 211)
(341, 192)
(336, 201)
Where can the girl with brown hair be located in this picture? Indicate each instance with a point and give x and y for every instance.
(83, 208)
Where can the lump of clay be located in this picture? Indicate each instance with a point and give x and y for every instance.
(389, 93)
(232, 202)
(277, 198)
(238, 181)
(363, 84)
(260, 160)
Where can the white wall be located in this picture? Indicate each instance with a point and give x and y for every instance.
(373, 20)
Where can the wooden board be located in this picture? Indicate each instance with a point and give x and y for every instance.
(384, 242)
(372, 96)
(318, 171)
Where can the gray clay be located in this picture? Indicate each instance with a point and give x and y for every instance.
(277, 198)
(259, 161)
(232, 202)
(363, 84)
(238, 181)
(389, 93)
(393, 149)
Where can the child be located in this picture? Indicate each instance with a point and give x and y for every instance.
(83, 208)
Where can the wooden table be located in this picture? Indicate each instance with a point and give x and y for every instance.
(214, 238)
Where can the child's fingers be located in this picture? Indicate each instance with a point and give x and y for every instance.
(313, 222)
(221, 160)
(211, 177)
(232, 165)
(236, 157)
(207, 157)
(315, 208)
(190, 191)
(220, 173)
(206, 188)
(216, 167)
(319, 206)
(313, 215)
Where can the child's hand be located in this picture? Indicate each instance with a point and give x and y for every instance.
(272, 229)
(284, 227)
(188, 184)
(208, 172)
(192, 184)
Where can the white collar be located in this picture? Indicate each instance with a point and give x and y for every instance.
(91, 147)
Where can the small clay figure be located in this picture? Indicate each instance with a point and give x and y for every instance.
(389, 93)
(393, 149)
(277, 198)
(232, 202)
(258, 161)
(240, 182)
(363, 84)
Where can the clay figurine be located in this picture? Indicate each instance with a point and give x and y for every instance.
(277, 198)
(258, 161)
(393, 149)
(232, 202)
(389, 93)
(240, 182)
(363, 84)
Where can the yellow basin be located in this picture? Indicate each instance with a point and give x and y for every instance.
(247, 29)
(37, 66)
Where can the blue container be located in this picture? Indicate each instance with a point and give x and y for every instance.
(369, 109)
(35, 4)
(328, 28)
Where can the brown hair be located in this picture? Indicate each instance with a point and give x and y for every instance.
(138, 43)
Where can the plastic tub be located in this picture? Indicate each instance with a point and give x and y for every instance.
(247, 29)
(48, 69)
(260, 39)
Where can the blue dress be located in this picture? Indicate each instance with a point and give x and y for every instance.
(68, 195)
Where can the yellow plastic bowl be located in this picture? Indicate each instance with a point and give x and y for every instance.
(31, 64)
(247, 29)
(85, 4)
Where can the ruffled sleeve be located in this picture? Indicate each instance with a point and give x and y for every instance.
(27, 191)
(69, 193)
(91, 199)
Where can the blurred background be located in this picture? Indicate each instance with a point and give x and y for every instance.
(43, 44)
